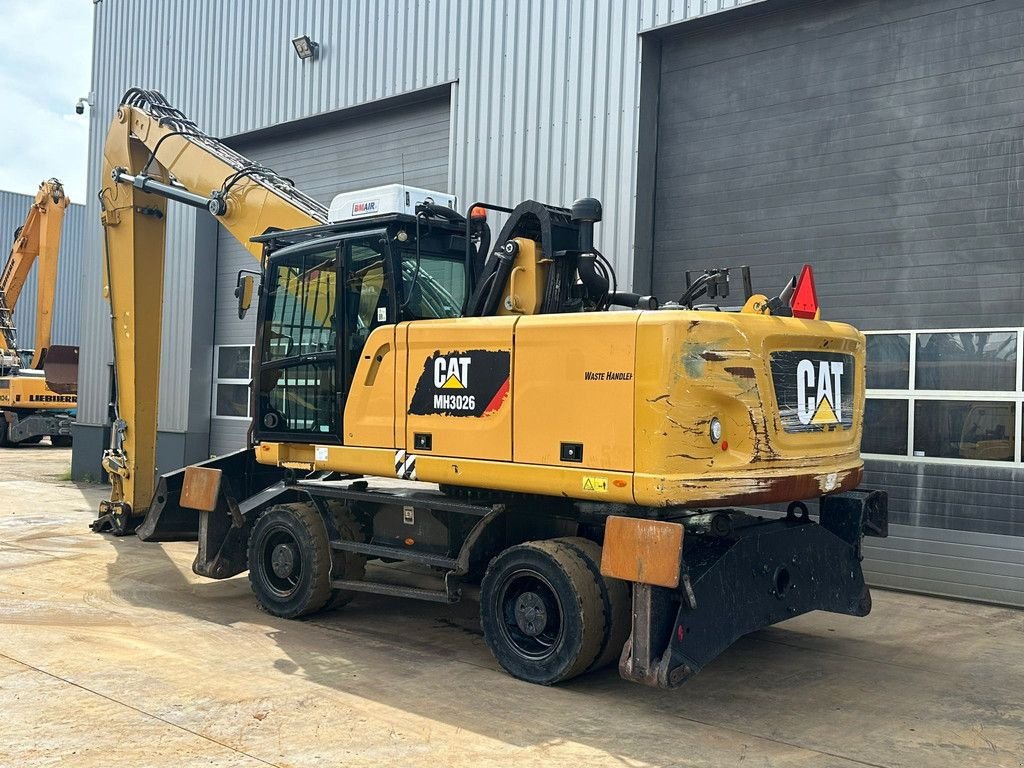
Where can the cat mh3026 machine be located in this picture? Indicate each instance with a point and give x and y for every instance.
(32, 405)
(592, 466)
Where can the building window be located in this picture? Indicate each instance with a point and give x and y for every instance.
(944, 395)
(232, 366)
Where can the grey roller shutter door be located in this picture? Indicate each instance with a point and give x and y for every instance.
(884, 144)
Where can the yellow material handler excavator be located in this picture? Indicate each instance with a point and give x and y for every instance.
(593, 470)
(32, 404)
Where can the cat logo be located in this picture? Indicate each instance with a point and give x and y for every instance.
(819, 392)
(471, 383)
(451, 372)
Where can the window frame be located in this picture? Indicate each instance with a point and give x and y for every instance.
(912, 395)
(217, 381)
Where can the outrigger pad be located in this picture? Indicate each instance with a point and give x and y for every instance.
(763, 572)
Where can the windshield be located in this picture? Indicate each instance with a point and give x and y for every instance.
(435, 283)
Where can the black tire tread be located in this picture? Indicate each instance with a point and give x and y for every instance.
(618, 603)
(307, 516)
(588, 595)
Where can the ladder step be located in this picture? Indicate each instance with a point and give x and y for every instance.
(394, 553)
(396, 590)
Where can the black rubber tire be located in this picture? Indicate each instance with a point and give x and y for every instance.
(307, 587)
(5, 441)
(561, 576)
(347, 565)
(60, 441)
(618, 603)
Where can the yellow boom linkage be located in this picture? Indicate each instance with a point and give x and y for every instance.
(154, 153)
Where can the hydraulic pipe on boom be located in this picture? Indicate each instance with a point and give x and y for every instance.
(153, 153)
(37, 241)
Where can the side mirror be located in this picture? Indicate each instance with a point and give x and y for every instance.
(243, 292)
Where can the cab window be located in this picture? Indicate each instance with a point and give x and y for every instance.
(433, 280)
(301, 296)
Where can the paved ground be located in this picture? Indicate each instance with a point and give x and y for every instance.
(111, 651)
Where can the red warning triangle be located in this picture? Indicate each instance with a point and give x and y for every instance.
(805, 298)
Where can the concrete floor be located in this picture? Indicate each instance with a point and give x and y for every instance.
(112, 651)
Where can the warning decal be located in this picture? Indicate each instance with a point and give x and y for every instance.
(595, 484)
(470, 383)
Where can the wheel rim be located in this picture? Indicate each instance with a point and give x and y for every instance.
(531, 621)
(281, 560)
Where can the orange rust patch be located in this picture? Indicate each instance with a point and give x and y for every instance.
(643, 551)
(200, 488)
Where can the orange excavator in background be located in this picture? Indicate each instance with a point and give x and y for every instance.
(38, 385)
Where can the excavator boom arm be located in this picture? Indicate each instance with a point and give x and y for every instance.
(36, 241)
(154, 153)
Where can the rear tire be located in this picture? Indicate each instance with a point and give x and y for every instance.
(542, 612)
(5, 440)
(618, 603)
(290, 561)
(60, 441)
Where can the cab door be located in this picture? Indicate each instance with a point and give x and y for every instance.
(297, 389)
(369, 313)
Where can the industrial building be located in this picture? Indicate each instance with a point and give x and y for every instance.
(881, 142)
(14, 207)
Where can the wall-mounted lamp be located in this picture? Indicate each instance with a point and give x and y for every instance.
(304, 47)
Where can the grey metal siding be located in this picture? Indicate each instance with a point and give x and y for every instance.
(973, 566)
(67, 303)
(545, 106)
(883, 144)
(952, 496)
(407, 142)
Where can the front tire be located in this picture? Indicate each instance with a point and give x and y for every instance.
(290, 561)
(542, 612)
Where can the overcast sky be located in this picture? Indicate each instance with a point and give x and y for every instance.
(45, 64)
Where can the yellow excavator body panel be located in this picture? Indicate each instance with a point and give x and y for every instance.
(654, 408)
(31, 393)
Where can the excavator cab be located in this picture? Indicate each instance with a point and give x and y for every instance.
(325, 291)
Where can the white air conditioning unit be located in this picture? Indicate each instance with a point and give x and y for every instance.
(390, 198)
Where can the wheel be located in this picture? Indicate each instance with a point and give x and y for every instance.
(347, 565)
(618, 603)
(60, 441)
(290, 561)
(5, 441)
(542, 612)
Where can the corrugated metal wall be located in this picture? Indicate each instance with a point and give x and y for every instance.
(545, 106)
(67, 304)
